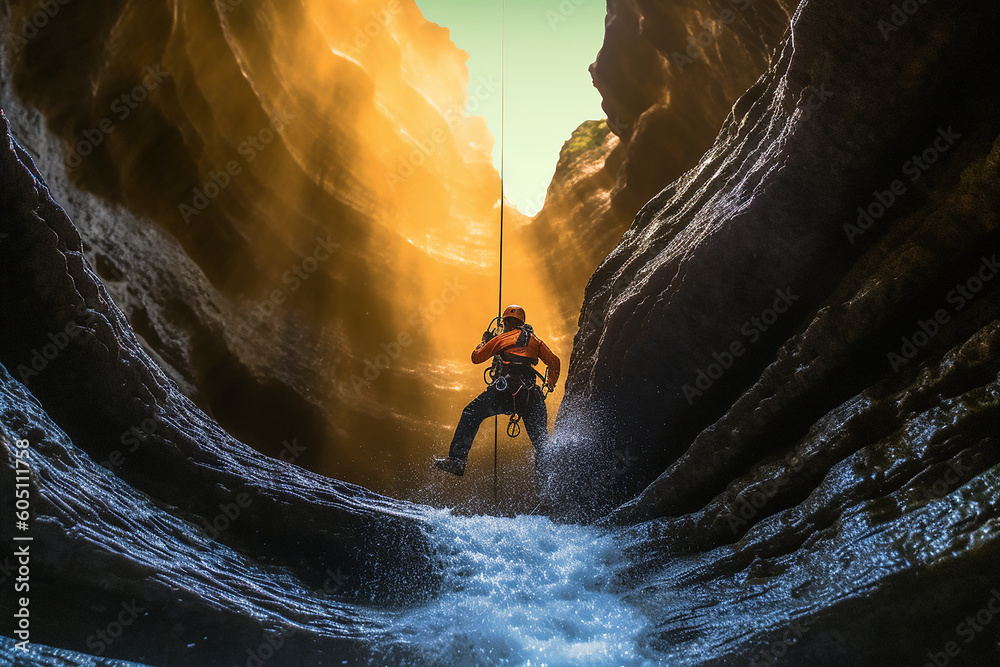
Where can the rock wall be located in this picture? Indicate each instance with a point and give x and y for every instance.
(133, 467)
(751, 251)
(787, 369)
(668, 73)
(783, 394)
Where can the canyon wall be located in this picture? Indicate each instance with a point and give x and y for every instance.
(794, 206)
(668, 73)
(293, 210)
(136, 497)
(786, 372)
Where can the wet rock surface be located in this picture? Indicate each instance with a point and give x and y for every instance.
(787, 369)
(127, 530)
(783, 398)
(668, 73)
(760, 253)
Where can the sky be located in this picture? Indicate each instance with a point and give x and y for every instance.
(547, 92)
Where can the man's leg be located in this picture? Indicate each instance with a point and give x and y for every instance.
(536, 423)
(487, 404)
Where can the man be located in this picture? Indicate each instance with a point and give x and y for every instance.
(513, 389)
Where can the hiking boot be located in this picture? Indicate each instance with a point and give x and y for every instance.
(448, 464)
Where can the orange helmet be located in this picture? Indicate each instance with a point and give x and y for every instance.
(514, 311)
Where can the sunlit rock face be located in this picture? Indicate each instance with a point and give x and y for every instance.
(824, 495)
(303, 223)
(577, 226)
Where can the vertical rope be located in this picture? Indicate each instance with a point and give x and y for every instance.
(496, 418)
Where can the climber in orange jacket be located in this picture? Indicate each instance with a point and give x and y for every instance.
(513, 389)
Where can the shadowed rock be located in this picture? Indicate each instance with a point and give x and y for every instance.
(786, 371)
(761, 242)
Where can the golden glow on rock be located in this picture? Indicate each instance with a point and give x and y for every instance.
(378, 95)
(326, 120)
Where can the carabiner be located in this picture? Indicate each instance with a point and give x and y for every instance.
(514, 426)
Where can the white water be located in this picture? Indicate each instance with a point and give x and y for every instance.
(522, 591)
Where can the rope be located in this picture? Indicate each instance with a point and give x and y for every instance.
(496, 418)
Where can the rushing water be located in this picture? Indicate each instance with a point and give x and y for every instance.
(522, 591)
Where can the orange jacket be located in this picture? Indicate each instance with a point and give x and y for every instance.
(534, 349)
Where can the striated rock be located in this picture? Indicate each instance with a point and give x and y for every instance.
(757, 244)
(669, 74)
(872, 538)
(577, 227)
(103, 553)
(787, 370)
(782, 399)
(168, 467)
(46, 656)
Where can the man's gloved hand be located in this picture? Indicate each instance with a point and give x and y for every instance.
(488, 336)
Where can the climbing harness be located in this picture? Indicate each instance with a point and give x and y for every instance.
(501, 375)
